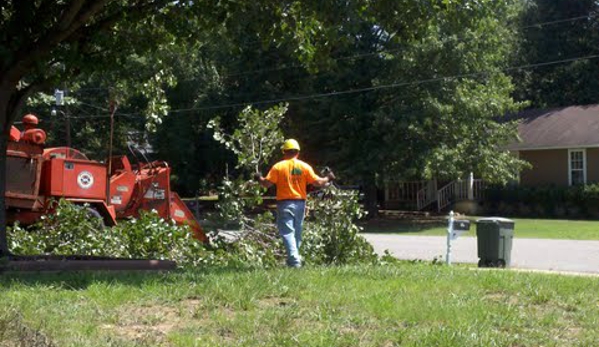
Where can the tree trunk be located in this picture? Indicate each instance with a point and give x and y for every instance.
(3, 239)
(8, 110)
(370, 196)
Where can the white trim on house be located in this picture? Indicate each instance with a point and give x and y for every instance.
(584, 164)
(550, 147)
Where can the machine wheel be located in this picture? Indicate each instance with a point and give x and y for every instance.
(95, 217)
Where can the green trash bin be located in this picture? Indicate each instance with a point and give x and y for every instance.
(494, 240)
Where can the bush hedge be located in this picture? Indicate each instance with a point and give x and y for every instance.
(543, 201)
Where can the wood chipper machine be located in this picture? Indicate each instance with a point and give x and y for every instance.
(37, 176)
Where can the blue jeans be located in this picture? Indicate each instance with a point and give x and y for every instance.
(290, 218)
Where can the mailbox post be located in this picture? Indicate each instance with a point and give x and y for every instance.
(455, 228)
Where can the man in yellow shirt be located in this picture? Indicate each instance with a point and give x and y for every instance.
(291, 177)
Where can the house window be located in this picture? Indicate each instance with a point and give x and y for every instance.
(577, 166)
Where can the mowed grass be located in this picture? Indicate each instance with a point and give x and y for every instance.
(524, 228)
(411, 304)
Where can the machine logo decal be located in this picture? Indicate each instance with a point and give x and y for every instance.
(153, 193)
(179, 214)
(85, 179)
(122, 188)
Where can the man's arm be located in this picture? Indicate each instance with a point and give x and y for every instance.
(322, 181)
(262, 181)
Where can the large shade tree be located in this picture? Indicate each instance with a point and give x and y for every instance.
(44, 42)
(366, 85)
(416, 91)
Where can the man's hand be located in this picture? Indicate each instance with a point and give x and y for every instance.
(331, 176)
(327, 176)
(261, 180)
(328, 173)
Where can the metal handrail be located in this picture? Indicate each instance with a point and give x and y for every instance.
(458, 190)
(427, 195)
(445, 194)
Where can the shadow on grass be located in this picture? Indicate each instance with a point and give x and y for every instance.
(79, 280)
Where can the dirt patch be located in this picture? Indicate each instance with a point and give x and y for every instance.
(275, 302)
(152, 323)
(501, 297)
(14, 333)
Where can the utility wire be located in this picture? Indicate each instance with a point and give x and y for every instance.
(368, 89)
(385, 86)
(538, 25)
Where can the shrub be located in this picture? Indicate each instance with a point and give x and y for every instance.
(544, 201)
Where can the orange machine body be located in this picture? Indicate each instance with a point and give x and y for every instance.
(147, 187)
(72, 178)
(38, 176)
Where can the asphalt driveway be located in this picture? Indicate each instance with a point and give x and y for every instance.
(537, 254)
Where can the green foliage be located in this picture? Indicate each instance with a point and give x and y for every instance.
(558, 85)
(256, 137)
(435, 91)
(71, 230)
(331, 235)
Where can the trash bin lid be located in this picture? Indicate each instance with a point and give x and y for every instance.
(503, 222)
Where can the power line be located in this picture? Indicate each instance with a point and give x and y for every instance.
(385, 86)
(538, 25)
(104, 109)
(359, 90)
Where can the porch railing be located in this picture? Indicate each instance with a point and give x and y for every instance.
(458, 190)
(404, 191)
(427, 195)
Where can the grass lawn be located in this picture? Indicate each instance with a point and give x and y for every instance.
(401, 305)
(524, 228)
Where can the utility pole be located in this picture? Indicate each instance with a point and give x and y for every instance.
(68, 120)
(59, 102)
(113, 108)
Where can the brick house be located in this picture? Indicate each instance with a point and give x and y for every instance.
(561, 144)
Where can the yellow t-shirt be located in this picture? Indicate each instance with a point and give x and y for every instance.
(291, 177)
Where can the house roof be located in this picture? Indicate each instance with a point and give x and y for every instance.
(566, 127)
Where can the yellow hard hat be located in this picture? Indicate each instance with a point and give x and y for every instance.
(290, 144)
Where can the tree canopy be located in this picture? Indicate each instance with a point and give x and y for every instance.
(45, 42)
